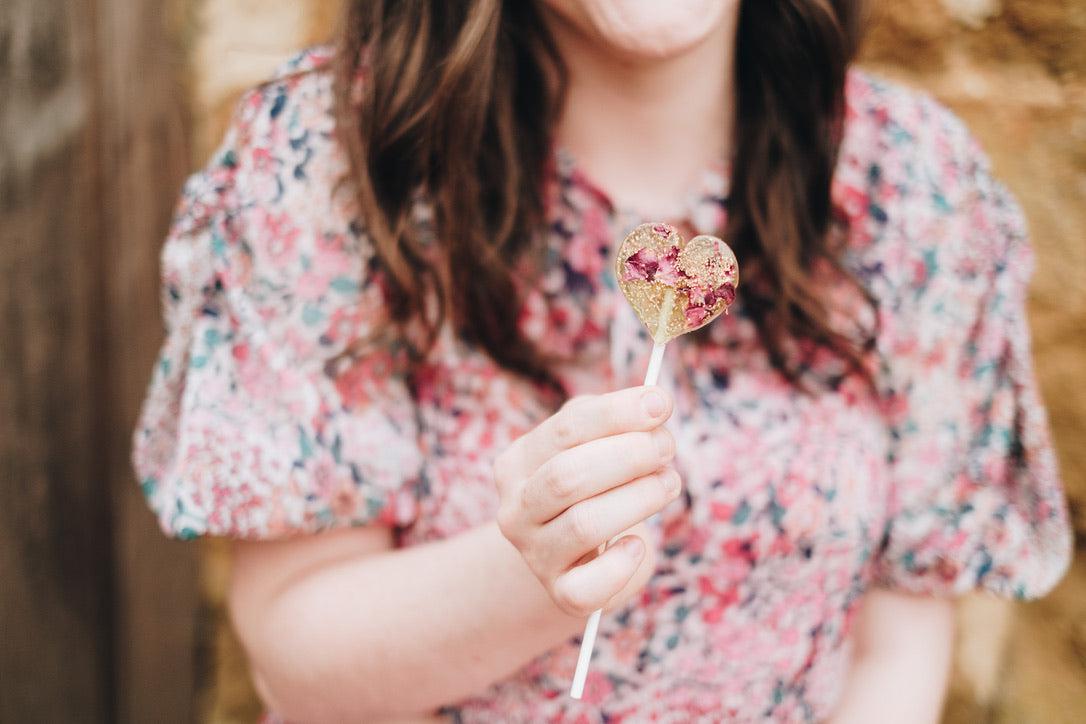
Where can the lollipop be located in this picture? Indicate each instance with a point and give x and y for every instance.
(675, 287)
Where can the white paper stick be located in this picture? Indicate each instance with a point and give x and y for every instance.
(656, 361)
(652, 374)
(588, 642)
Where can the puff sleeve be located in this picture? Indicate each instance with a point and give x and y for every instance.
(976, 499)
(258, 422)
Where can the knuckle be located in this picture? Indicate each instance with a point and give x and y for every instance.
(564, 428)
(560, 479)
(583, 527)
(501, 469)
(535, 556)
(508, 520)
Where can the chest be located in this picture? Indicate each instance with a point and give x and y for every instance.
(772, 477)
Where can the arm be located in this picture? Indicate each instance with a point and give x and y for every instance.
(901, 660)
(341, 627)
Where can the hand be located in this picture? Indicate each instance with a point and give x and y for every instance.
(590, 472)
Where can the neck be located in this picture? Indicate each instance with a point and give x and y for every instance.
(644, 129)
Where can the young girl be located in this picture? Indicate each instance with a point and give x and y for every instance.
(399, 373)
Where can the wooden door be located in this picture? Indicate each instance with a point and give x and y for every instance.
(98, 611)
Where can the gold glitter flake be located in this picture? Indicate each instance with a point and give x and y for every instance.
(707, 257)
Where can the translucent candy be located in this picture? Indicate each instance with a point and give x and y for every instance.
(675, 286)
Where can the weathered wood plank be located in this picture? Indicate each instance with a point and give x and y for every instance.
(97, 611)
(56, 649)
(143, 135)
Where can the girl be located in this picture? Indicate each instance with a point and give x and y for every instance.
(399, 373)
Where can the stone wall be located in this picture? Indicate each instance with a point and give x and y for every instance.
(1015, 70)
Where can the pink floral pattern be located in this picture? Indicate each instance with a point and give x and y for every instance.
(257, 425)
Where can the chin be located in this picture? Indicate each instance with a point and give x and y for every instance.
(649, 29)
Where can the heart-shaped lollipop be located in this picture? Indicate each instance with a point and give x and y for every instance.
(675, 286)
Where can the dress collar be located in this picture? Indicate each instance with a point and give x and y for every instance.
(575, 311)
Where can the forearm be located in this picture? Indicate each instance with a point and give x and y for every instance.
(901, 661)
(341, 627)
(401, 631)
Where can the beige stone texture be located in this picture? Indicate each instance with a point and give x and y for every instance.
(239, 43)
(1015, 70)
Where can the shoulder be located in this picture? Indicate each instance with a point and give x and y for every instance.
(287, 248)
(281, 126)
(279, 143)
(304, 76)
(910, 137)
(921, 202)
(901, 143)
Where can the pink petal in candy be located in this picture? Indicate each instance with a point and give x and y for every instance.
(668, 271)
(695, 315)
(640, 266)
(697, 296)
(726, 291)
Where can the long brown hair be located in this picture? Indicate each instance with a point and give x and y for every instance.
(458, 101)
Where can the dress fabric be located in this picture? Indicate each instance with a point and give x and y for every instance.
(265, 418)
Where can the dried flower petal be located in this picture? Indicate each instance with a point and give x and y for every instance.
(696, 316)
(668, 271)
(641, 266)
(726, 291)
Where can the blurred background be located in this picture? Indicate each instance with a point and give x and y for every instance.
(106, 106)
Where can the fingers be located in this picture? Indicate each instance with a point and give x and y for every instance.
(589, 418)
(592, 468)
(593, 522)
(590, 472)
(583, 589)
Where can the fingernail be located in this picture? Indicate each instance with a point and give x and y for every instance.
(672, 483)
(631, 546)
(654, 403)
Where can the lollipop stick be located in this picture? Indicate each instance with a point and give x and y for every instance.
(588, 642)
(655, 363)
(588, 639)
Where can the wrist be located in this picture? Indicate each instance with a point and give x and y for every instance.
(522, 587)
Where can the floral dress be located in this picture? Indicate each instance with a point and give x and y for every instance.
(941, 480)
